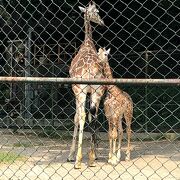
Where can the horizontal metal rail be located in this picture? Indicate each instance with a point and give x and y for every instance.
(90, 81)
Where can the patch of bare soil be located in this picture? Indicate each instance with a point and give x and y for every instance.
(45, 159)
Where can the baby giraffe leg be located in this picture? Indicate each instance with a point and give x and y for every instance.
(120, 137)
(128, 118)
(113, 159)
(110, 143)
(128, 152)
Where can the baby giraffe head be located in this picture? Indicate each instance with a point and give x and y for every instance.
(103, 54)
(92, 13)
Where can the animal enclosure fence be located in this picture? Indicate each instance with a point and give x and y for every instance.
(37, 106)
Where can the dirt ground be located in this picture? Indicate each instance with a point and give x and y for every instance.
(45, 159)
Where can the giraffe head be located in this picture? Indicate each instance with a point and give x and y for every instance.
(103, 54)
(92, 13)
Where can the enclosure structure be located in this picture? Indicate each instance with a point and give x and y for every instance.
(40, 38)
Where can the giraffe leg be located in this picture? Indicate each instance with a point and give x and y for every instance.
(128, 118)
(120, 137)
(82, 116)
(112, 141)
(95, 138)
(92, 151)
(73, 146)
(110, 150)
(110, 144)
(93, 131)
(95, 100)
(109, 116)
(114, 159)
(128, 152)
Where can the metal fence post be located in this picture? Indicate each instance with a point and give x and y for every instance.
(28, 91)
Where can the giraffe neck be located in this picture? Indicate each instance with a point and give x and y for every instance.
(88, 30)
(108, 74)
(114, 90)
(88, 42)
(107, 71)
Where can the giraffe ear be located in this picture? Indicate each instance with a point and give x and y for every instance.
(99, 51)
(82, 9)
(91, 6)
(108, 51)
(93, 3)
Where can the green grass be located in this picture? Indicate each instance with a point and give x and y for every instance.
(9, 157)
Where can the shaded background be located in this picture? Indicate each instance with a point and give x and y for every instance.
(144, 38)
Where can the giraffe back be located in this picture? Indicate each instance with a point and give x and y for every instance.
(117, 102)
(86, 63)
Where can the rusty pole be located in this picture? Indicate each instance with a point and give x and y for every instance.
(90, 81)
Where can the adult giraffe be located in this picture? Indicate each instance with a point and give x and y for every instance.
(116, 105)
(86, 65)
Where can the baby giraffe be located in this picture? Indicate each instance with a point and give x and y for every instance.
(117, 104)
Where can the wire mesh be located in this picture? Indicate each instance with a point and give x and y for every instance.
(40, 39)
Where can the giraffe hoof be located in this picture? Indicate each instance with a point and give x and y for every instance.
(113, 161)
(70, 160)
(127, 159)
(92, 164)
(77, 165)
(109, 161)
(128, 155)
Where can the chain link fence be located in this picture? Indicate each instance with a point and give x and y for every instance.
(39, 38)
